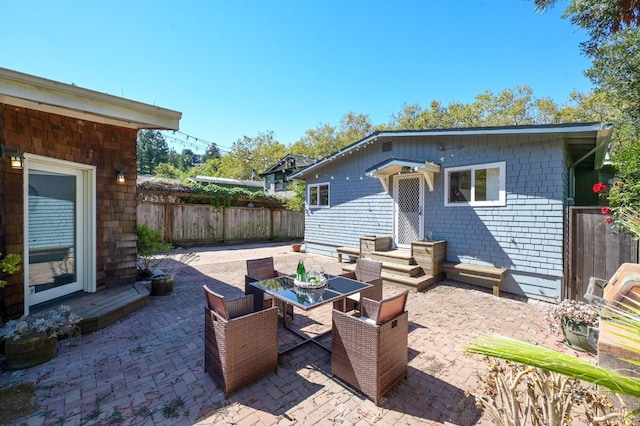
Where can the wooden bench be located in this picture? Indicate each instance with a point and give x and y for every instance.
(347, 251)
(480, 272)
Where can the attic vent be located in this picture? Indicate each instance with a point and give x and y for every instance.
(387, 146)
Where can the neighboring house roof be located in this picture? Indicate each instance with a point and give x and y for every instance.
(583, 139)
(227, 181)
(45, 95)
(282, 164)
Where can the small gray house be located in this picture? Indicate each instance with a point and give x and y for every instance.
(498, 196)
(276, 178)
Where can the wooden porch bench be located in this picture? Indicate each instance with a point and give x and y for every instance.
(347, 251)
(481, 272)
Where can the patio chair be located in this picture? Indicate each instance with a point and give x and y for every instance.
(240, 345)
(370, 352)
(368, 271)
(263, 269)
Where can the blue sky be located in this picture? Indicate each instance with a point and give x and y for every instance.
(236, 68)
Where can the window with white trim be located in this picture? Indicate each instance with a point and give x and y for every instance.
(318, 195)
(481, 185)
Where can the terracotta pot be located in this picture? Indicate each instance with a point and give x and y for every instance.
(296, 247)
(29, 351)
(161, 286)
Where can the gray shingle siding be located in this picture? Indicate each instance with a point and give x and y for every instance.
(526, 236)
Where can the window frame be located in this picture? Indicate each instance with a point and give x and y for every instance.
(502, 193)
(318, 187)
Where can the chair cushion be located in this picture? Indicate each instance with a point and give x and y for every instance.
(392, 307)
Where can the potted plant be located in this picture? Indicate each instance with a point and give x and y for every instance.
(9, 264)
(33, 339)
(168, 267)
(153, 253)
(578, 321)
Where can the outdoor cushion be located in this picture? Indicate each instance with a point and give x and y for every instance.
(391, 307)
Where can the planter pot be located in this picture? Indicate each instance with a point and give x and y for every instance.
(161, 286)
(296, 247)
(29, 351)
(576, 336)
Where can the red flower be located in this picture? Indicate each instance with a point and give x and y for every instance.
(599, 187)
(605, 210)
(608, 219)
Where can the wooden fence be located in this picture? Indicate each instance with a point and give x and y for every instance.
(207, 224)
(595, 250)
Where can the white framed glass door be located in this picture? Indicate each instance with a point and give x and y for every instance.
(59, 242)
(408, 201)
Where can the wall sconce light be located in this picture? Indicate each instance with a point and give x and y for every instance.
(120, 178)
(14, 157)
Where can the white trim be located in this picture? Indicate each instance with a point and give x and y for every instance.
(601, 130)
(502, 195)
(85, 227)
(45, 95)
(318, 185)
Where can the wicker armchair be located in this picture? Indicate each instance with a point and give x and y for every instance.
(263, 269)
(368, 271)
(240, 346)
(370, 353)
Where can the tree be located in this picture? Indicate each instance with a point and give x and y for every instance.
(151, 150)
(212, 151)
(616, 70)
(187, 159)
(250, 156)
(166, 170)
(600, 18)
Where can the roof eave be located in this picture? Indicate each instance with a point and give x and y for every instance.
(598, 127)
(45, 95)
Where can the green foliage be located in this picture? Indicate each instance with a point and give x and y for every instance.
(600, 18)
(250, 156)
(150, 241)
(165, 170)
(298, 200)
(616, 70)
(151, 150)
(558, 362)
(10, 264)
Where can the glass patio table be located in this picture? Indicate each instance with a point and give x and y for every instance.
(284, 290)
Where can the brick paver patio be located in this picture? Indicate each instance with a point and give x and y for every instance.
(147, 369)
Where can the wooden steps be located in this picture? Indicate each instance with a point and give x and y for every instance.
(398, 267)
(102, 308)
(393, 256)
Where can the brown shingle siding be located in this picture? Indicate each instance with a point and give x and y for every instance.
(104, 146)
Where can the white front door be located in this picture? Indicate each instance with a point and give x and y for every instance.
(408, 201)
(58, 236)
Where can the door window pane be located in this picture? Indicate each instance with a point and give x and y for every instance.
(52, 230)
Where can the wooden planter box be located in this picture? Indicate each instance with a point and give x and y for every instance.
(373, 243)
(429, 255)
